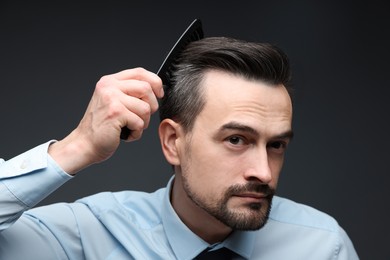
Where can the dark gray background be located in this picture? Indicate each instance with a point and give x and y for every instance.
(52, 54)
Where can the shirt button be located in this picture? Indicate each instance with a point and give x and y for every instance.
(24, 164)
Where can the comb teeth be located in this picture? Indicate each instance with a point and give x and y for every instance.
(193, 33)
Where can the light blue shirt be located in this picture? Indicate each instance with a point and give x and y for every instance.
(139, 225)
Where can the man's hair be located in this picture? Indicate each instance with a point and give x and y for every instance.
(184, 100)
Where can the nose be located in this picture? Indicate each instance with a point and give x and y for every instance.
(258, 168)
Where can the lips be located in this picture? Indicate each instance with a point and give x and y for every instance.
(253, 197)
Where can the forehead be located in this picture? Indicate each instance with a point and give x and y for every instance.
(251, 102)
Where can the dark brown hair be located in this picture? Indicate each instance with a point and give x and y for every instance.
(183, 101)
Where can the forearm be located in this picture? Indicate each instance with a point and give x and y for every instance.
(124, 99)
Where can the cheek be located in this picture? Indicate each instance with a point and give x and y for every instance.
(207, 172)
(208, 166)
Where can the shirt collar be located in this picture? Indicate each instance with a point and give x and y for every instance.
(241, 242)
(187, 245)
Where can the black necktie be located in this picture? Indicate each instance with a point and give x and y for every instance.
(219, 254)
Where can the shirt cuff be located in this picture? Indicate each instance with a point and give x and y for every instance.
(33, 175)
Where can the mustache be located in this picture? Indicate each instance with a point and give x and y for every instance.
(250, 186)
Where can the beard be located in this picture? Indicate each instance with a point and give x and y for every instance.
(252, 217)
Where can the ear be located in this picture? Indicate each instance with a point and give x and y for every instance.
(169, 132)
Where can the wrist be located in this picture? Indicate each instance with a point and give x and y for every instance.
(71, 154)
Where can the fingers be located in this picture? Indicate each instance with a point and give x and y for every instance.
(140, 112)
(141, 90)
(142, 75)
(135, 93)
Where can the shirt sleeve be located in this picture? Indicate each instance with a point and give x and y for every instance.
(25, 180)
(346, 251)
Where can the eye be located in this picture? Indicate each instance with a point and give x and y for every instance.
(236, 140)
(278, 146)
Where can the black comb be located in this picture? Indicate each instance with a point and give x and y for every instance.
(193, 33)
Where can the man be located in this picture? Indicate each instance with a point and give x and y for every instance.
(225, 125)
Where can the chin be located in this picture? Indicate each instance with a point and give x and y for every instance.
(253, 217)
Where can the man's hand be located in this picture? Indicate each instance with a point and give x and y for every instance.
(124, 99)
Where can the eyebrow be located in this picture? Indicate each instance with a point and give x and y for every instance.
(244, 128)
(238, 126)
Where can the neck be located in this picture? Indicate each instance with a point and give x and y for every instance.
(195, 218)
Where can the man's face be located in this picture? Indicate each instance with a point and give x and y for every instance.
(232, 158)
